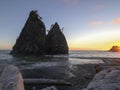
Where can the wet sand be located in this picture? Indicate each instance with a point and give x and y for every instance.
(78, 75)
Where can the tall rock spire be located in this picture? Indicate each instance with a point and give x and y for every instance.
(32, 38)
(56, 42)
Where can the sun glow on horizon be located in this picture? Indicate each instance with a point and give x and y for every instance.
(116, 44)
(96, 41)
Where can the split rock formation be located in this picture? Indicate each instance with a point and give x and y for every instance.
(34, 41)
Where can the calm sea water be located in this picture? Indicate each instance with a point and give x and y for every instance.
(74, 57)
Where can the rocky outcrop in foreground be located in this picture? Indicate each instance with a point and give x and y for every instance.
(56, 42)
(108, 79)
(115, 49)
(32, 39)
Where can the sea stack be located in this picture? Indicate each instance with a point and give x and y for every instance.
(115, 49)
(56, 42)
(32, 38)
(34, 41)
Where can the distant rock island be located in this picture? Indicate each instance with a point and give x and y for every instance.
(115, 49)
(34, 41)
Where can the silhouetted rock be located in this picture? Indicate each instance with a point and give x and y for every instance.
(32, 38)
(115, 49)
(56, 42)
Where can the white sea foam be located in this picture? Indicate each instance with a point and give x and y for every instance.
(93, 54)
(84, 61)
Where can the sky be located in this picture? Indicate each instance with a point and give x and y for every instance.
(88, 24)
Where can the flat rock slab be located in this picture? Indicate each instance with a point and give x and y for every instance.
(108, 79)
(11, 79)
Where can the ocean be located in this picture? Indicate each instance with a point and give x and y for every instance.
(74, 57)
(77, 67)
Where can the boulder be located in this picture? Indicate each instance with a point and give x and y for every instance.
(56, 42)
(32, 38)
(11, 79)
(108, 79)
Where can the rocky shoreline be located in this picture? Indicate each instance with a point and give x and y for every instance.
(81, 77)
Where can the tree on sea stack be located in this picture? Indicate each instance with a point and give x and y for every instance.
(31, 40)
(56, 41)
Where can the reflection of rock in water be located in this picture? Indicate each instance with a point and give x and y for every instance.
(32, 38)
(58, 69)
(56, 42)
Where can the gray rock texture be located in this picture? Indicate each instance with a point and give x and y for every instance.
(11, 79)
(56, 41)
(108, 79)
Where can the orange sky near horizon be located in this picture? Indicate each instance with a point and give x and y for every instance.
(94, 47)
(91, 46)
(103, 40)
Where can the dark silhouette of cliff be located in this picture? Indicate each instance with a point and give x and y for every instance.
(56, 42)
(32, 38)
(115, 49)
